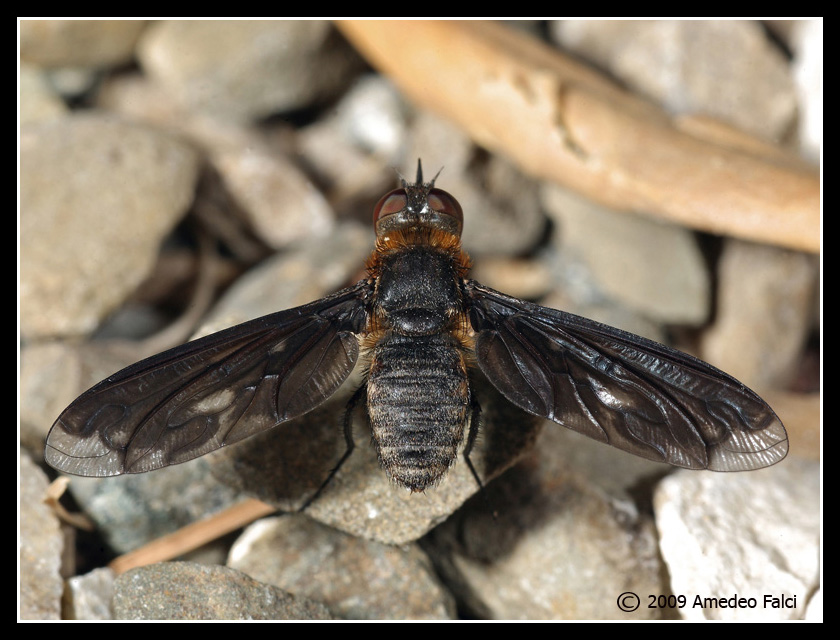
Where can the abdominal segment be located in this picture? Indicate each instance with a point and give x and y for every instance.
(418, 396)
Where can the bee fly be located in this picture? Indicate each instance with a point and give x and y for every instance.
(419, 325)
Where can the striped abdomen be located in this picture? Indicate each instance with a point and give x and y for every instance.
(417, 397)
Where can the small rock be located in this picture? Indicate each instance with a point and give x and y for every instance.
(40, 548)
(653, 267)
(97, 198)
(564, 541)
(348, 147)
(724, 68)
(189, 591)
(280, 202)
(372, 114)
(131, 510)
(764, 313)
(38, 102)
(355, 578)
(245, 70)
(79, 43)
(749, 535)
(808, 73)
(89, 596)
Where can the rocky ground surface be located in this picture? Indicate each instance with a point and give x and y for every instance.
(181, 177)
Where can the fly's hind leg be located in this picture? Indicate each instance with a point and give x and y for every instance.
(475, 420)
(472, 434)
(360, 395)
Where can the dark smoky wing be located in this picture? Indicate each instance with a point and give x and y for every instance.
(211, 392)
(624, 390)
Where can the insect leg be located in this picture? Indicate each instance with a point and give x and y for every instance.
(472, 434)
(360, 395)
(475, 421)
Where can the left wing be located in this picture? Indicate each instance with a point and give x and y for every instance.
(622, 389)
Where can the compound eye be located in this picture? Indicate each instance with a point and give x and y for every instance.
(389, 204)
(442, 202)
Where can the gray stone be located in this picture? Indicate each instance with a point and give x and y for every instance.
(356, 579)
(751, 535)
(281, 204)
(88, 596)
(652, 267)
(79, 43)
(40, 548)
(765, 311)
(807, 42)
(131, 510)
(244, 70)
(189, 591)
(729, 69)
(97, 197)
(563, 540)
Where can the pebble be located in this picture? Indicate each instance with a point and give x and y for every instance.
(355, 578)
(97, 197)
(203, 592)
(79, 43)
(562, 538)
(750, 536)
(729, 69)
(652, 267)
(39, 553)
(765, 312)
(246, 70)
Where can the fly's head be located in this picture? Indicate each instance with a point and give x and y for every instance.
(418, 206)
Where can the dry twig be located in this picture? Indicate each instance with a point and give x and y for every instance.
(193, 536)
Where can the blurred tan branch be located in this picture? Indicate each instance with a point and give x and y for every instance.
(193, 536)
(564, 122)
